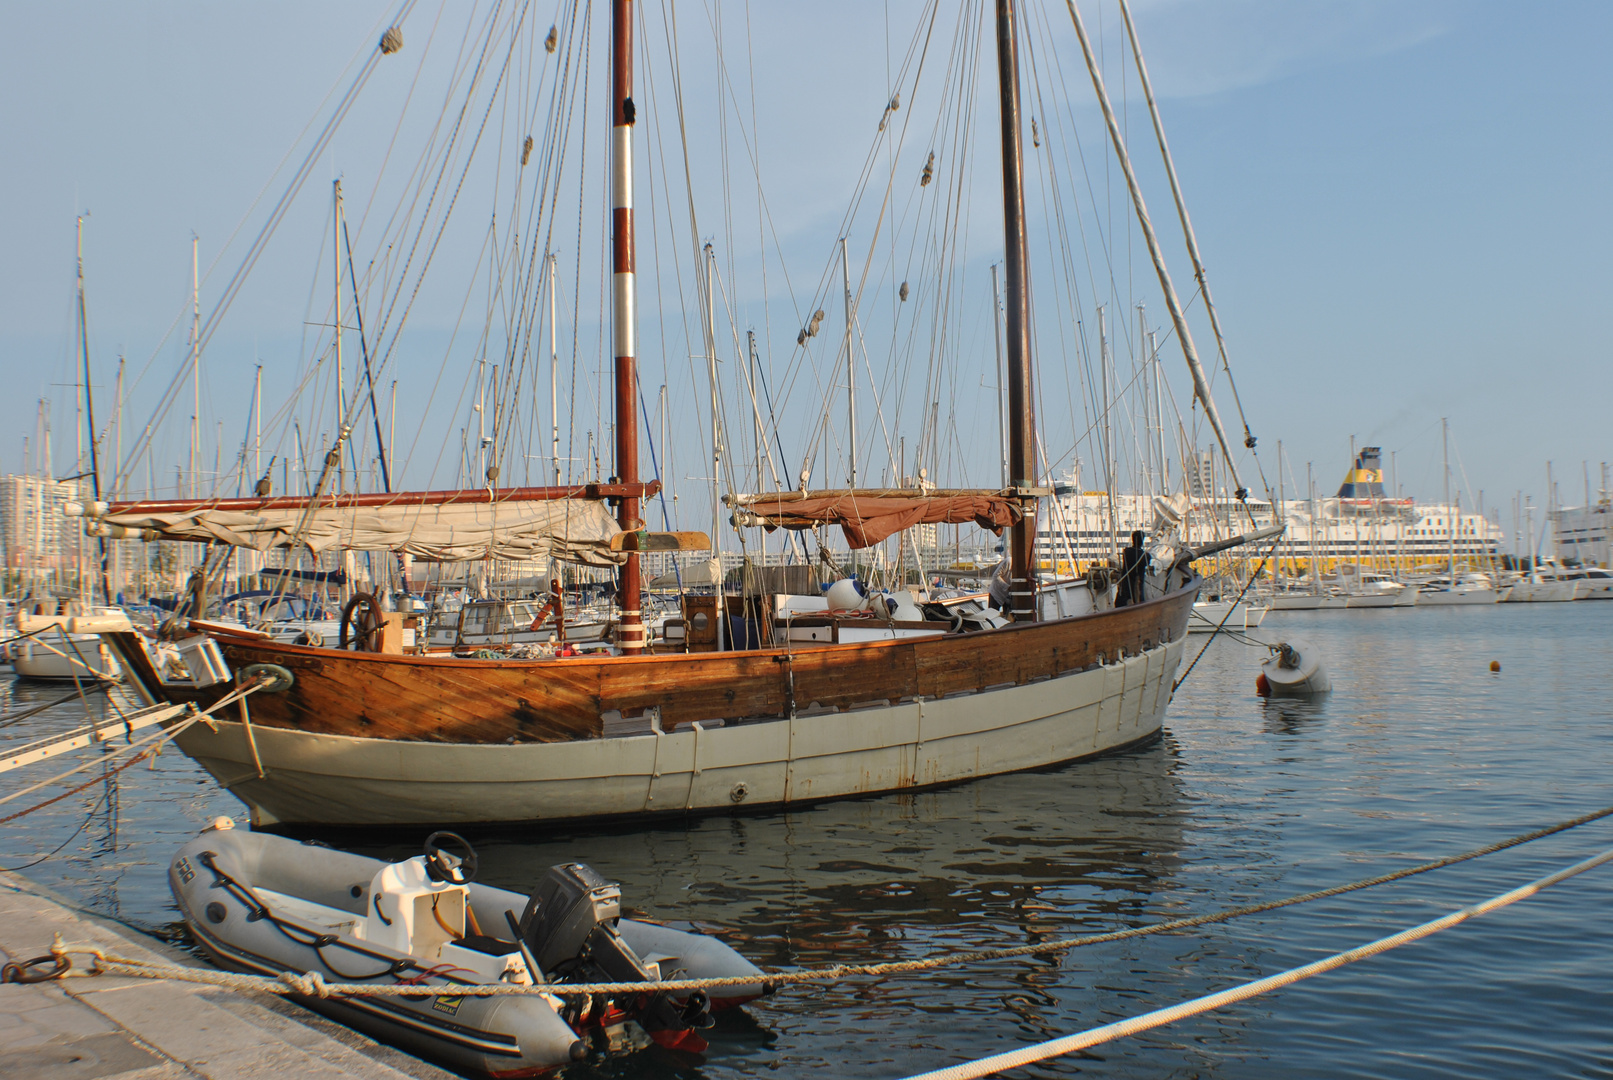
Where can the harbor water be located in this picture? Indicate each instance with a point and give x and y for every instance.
(1420, 751)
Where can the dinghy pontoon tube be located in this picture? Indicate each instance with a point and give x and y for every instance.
(265, 904)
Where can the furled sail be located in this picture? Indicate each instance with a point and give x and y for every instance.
(867, 517)
(573, 525)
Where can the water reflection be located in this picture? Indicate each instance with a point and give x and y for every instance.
(1290, 716)
(1007, 861)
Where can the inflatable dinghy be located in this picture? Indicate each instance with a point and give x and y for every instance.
(264, 904)
(1295, 669)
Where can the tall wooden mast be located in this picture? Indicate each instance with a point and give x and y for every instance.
(624, 304)
(1022, 470)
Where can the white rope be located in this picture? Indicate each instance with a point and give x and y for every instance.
(1013, 1059)
(312, 984)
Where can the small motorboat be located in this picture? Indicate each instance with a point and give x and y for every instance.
(1294, 669)
(268, 905)
(46, 649)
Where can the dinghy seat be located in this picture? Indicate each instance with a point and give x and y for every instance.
(490, 946)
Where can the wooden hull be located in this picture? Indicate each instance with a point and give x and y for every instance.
(368, 740)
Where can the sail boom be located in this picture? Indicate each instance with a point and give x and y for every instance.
(521, 524)
(369, 499)
(868, 517)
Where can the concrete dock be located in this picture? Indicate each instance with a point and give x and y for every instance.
(147, 1029)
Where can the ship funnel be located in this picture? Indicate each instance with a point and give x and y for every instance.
(1365, 481)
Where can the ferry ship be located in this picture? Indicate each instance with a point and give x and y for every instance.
(1362, 526)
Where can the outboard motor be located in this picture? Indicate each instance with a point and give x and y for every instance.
(570, 927)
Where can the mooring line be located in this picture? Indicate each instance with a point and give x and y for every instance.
(1013, 1059)
(313, 983)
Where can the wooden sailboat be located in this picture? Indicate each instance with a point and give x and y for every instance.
(362, 738)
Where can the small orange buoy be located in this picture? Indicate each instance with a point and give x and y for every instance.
(1495, 665)
(1262, 685)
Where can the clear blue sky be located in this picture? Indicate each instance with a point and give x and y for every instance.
(1404, 206)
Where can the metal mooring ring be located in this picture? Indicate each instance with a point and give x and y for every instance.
(280, 678)
(23, 973)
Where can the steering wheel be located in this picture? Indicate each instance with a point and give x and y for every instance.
(361, 620)
(444, 865)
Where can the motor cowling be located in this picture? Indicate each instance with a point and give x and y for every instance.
(570, 920)
(570, 926)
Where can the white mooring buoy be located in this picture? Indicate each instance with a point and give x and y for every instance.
(1294, 669)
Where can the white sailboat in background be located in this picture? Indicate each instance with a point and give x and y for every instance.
(1455, 588)
(1537, 587)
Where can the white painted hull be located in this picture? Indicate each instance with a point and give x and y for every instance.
(1210, 614)
(53, 657)
(1541, 592)
(1452, 597)
(1294, 603)
(340, 780)
(1373, 600)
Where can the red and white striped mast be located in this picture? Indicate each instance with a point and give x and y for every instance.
(624, 312)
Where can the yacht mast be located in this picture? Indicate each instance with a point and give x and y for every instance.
(1159, 415)
(716, 439)
(195, 360)
(89, 407)
(1450, 522)
(1282, 512)
(1310, 489)
(554, 378)
(997, 343)
(1106, 433)
(851, 366)
(1022, 472)
(624, 303)
(336, 266)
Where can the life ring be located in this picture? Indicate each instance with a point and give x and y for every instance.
(281, 678)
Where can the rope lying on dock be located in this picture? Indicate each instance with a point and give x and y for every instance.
(313, 984)
(1026, 1055)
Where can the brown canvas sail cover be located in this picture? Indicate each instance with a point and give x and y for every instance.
(866, 518)
(572, 530)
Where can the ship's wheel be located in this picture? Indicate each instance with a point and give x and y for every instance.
(361, 622)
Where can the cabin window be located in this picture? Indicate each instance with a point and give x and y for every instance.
(701, 620)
